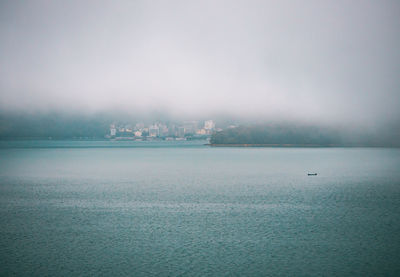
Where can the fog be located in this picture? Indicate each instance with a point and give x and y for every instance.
(317, 61)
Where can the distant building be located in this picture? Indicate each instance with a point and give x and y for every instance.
(209, 125)
(201, 132)
(154, 131)
(190, 127)
(128, 129)
(163, 129)
(181, 132)
(138, 134)
(113, 130)
(172, 131)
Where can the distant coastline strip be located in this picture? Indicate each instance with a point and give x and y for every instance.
(270, 145)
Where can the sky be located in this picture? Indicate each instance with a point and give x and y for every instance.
(329, 61)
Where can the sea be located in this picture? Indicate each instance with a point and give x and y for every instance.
(182, 208)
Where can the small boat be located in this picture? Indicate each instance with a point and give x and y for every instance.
(312, 174)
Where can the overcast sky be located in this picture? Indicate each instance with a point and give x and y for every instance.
(326, 60)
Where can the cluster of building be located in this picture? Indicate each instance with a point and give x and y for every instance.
(160, 130)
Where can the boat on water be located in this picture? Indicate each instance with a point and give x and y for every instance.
(312, 174)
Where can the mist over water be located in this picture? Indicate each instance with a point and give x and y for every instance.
(326, 61)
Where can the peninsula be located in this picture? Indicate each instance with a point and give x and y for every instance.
(294, 135)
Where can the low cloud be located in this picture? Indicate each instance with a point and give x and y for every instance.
(329, 61)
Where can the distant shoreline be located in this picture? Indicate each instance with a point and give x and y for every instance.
(266, 145)
(293, 145)
(5, 143)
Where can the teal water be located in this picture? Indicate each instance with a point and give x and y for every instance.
(185, 209)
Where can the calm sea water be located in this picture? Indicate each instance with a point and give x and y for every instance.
(182, 208)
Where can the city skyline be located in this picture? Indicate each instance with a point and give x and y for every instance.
(187, 129)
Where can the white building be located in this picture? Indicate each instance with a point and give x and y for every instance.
(209, 125)
(201, 132)
(154, 131)
(113, 131)
(138, 134)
